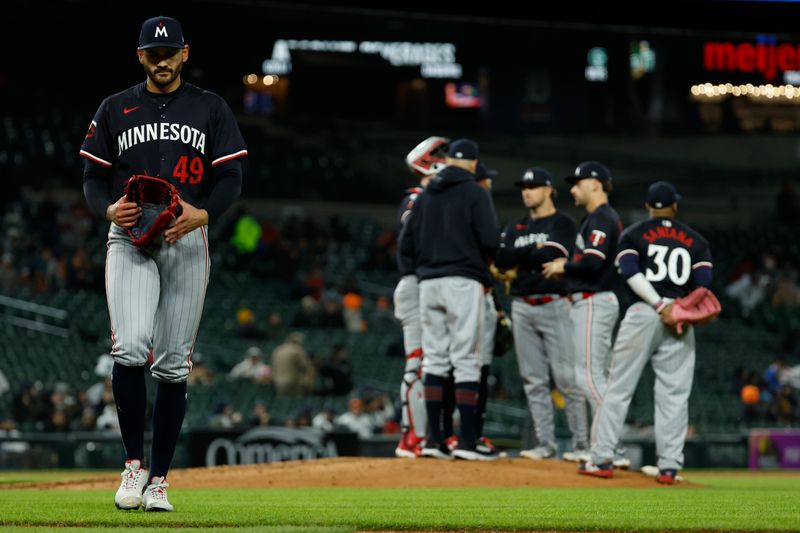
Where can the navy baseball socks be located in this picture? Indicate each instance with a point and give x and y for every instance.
(168, 413)
(130, 395)
(434, 445)
(467, 403)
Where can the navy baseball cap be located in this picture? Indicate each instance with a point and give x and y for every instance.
(662, 194)
(161, 31)
(589, 169)
(483, 173)
(463, 149)
(535, 177)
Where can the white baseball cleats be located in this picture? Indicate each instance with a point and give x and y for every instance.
(134, 480)
(134, 491)
(155, 496)
(539, 453)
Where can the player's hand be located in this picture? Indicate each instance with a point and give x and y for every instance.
(667, 319)
(554, 269)
(191, 219)
(123, 213)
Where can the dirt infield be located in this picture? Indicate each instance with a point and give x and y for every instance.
(377, 473)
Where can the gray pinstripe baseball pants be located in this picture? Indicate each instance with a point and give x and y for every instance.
(642, 337)
(155, 300)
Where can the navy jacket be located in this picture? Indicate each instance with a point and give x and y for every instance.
(452, 229)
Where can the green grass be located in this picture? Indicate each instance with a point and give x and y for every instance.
(41, 476)
(722, 503)
(261, 529)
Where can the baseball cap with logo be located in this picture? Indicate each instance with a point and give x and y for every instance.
(463, 149)
(589, 169)
(161, 31)
(535, 177)
(662, 194)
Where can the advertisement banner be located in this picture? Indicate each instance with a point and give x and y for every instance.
(774, 448)
(267, 445)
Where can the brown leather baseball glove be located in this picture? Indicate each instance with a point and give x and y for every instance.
(160, 203)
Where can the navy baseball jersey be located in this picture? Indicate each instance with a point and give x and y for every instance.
(597, 236)
(668, 252)
(178, 137)
(531, 242)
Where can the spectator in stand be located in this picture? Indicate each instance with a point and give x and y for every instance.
(324, 420)
(108, 419)
(201, 373)
(308, 316)
(356, 419)
(252, 367)
(786, 292)
(246, 239)
(275, 329)
(225, 416)
(30, 406)
(352, 314)
(772, 375)
(752, 287)
(336, 373)
(246, 326)
(379, 406)
(382, 316)
(301, 418)
(315, 284)
(59, 421)
(293, 370)
(260, 416)
(331, 316)
(86, 422)
(784, 405)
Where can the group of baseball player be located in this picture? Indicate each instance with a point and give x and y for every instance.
(163, 159)
(564, 310)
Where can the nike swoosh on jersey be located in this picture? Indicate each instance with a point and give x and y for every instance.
(126, 110)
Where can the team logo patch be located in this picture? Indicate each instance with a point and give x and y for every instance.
(597, 237)
(92, 130)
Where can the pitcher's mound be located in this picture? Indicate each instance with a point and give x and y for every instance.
(370, 472)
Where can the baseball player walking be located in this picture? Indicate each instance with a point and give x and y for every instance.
(181, 133)
(540, 314)
(425, 161)
(662, 259)
(451, 231)
(591, 276)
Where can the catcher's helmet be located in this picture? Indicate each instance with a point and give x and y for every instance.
(427, 158)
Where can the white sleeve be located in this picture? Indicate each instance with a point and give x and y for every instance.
(644, 289)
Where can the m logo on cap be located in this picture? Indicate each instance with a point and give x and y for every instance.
(528, 175)
(161, 30)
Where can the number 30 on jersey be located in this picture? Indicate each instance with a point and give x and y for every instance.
(674, 263)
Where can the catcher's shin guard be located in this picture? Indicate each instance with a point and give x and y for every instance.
(412, 393)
